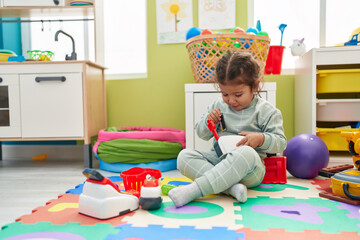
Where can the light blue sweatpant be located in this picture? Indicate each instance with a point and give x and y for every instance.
(214, 175)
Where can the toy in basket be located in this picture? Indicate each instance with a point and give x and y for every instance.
(205, 50)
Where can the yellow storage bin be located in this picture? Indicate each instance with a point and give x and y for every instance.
(332, 138)
(338, 81)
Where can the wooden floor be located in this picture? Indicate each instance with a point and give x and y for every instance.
(27, 184)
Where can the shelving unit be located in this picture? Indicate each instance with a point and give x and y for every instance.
(327, 83)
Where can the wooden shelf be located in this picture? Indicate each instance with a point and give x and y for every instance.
(74, 11)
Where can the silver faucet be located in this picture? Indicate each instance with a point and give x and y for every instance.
(73, 54)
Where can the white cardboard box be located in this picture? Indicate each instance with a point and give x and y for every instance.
(32, 3)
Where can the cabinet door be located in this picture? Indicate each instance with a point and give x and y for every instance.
(51, 105)
(9, 106)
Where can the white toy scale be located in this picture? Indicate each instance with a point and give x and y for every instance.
(102, 199)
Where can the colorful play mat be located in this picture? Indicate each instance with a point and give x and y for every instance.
(273, 211)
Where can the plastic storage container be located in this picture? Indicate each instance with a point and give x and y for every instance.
(332, 138)
(338, 81)
(338, 109)
(274, 60)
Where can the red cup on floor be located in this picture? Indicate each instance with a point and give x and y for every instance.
(274, 60)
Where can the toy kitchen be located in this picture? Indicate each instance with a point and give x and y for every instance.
(42, 99)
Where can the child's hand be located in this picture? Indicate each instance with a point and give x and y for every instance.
(215, 115)
(251, 139)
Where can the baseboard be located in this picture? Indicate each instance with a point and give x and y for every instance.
(54, 152)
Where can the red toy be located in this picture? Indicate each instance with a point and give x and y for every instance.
(133, 178)
(212, 128)
(275, 170)
(206, 31)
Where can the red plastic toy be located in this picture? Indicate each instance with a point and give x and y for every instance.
(212, 128)
(134, 178)
(275, 170)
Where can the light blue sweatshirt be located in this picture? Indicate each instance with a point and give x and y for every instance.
(260, 116)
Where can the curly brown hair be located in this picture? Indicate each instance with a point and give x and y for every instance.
(237, 68)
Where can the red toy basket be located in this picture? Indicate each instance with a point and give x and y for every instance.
(134, 178)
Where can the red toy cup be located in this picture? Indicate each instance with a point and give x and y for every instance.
(274, 60)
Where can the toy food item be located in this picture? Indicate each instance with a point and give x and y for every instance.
(237, 30)
(166, 188)
(206, 31)
(192, 32)
(253, 31)
(262, 33)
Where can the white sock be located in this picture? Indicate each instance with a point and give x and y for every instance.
(183, 195)
(238, 191)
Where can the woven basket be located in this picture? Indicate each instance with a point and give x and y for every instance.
(205, 50)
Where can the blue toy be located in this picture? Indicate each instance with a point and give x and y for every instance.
(16, 59)
(282, 28)
(353, 41)
(252, 30)
(193, 32)
(306, 155)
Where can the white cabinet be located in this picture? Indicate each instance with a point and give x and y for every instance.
(327, 90)
(197, 98)
(52, 101)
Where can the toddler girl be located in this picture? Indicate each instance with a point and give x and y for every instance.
(244, 113)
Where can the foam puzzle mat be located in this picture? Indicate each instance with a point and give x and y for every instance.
(273, 211)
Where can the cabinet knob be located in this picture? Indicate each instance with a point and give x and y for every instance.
(42, 79)
(1, 79)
